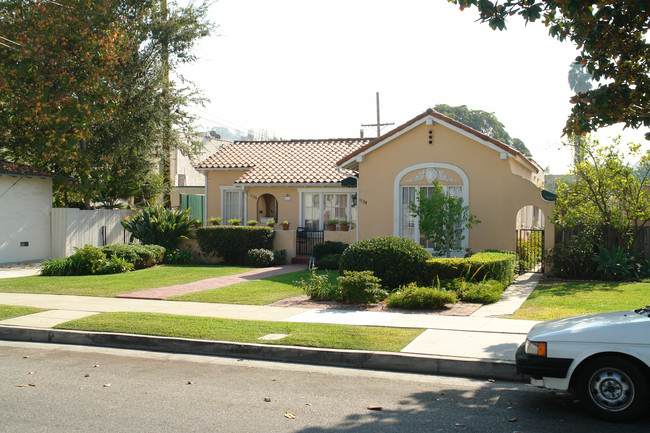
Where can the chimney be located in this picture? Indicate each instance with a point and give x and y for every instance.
(361, 132)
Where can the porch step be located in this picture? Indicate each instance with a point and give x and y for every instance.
(300, 260)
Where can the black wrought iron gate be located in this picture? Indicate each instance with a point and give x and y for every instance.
(530, 250)
(306, 239)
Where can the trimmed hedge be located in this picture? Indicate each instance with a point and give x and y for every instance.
(232, 242)
(495, 266)
(142, 256)
(396, 261)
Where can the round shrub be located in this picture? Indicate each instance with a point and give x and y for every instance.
(396, 261)
(259, 257)
(413, 297)
(141, 256)
(279, 257)
(361, 287)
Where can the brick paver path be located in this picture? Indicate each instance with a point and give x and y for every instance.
(211, 283)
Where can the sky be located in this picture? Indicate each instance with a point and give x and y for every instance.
(311, 69)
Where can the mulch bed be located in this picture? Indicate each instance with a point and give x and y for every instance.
(303, 301)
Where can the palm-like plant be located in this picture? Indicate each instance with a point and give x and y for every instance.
(159, 226)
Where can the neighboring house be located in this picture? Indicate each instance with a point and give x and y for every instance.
(25, 212)
(188, 182)
(309, 182)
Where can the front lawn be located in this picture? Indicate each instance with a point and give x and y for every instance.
(11, 311)
(257, 292)
(115, 284)
(249, 331)
(552, 300)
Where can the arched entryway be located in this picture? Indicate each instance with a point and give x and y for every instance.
(529, 229)
(267, 208)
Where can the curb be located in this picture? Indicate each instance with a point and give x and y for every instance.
(388, 361)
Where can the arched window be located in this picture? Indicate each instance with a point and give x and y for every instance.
(419, 177)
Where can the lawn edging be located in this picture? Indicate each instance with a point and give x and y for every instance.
(388, 361)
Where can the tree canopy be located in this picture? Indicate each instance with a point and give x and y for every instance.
(612, 36)
(484, 122)
(81, 90)
(606, 194)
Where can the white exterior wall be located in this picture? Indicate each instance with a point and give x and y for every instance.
(25, 208)
(77, 228)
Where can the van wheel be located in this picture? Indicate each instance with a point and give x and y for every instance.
(612, 388)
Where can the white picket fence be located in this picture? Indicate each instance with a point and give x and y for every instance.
(77, 228)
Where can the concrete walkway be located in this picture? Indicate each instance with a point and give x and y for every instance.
(22, 269)
(480, 337)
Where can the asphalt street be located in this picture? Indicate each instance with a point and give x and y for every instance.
(58, 388)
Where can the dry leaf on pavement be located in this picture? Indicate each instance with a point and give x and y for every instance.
(289, 415)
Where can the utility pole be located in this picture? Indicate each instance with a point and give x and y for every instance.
(378, 124)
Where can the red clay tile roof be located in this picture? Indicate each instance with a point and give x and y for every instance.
(285, 161)
(21, 170)
(442, 117)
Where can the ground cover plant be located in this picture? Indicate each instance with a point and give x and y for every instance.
(11, 311)
(249, 331)
(115, 284)
(257, 292)
(554, 300)
(88, 260)
(413, 297)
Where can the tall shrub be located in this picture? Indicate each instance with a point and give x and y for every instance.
(396, 261)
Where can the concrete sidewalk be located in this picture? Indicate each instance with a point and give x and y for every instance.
(479, 345)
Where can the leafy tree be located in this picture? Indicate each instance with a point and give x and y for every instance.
(443, 218)
(606, 194)
(81, 90)
(612, 38)
(484, 122)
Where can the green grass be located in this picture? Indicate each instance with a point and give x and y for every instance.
(111, 285)
(257, 292)
(249, 331)
(11, 311)
(556, 300)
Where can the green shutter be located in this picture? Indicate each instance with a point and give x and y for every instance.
(195, 203)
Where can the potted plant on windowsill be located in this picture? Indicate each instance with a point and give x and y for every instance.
(215, 221)
(270, 223)
(234, 221)
(345, 225)
(332, 224)
(285, 225)
(251, 223)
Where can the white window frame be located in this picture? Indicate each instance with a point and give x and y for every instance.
(242, 197)
(322, 191)
(397, 194)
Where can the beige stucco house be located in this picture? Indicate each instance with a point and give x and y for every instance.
(370, 182)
